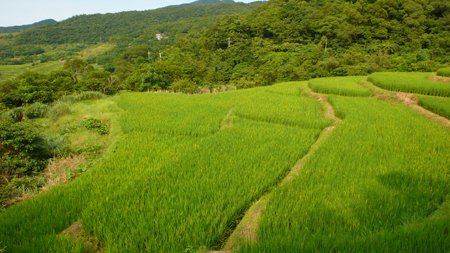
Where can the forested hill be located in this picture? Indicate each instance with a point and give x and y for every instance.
(10, 29)
(102, 27)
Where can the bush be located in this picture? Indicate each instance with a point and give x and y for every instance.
(444, 72)
(16, 114)
(22, 149)
(95, 124)
(184, 86)
(36, 110)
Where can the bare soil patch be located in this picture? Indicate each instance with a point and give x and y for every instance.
(76, 232)
(444, 79)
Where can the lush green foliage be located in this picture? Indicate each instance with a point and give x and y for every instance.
(437, 105)
(11, 29)
(410, 82)
(185, 168)
(97, 125)
(444, 72)
(23, 149)
(102, 27)
(379, 183)
(347, 86)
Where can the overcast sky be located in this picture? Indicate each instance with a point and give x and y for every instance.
(20, 12)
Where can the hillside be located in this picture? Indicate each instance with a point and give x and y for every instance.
(103, 27)
(11, 29)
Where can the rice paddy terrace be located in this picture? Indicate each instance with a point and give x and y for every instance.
(334, 164)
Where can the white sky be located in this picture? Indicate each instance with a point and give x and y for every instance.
(21, 12)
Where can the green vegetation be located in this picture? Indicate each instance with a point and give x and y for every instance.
(444, 72)
(379, 183)
(420, 83)
(8, 72)
(46, 144)
(12, 29)
(437, 105)
(183, 169)
(124, 25)
(163, 141)
(346, 86)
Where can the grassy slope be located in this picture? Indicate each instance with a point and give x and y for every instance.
(377, 184)
(12, 71)
(147, 182)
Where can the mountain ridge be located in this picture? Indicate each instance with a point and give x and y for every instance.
(19, 28)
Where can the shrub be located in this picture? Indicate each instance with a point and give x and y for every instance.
(97, 125)
(16, 114)
(184, 86)
(22, 149)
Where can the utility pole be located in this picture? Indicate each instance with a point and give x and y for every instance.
(229, 42)
(160, 54)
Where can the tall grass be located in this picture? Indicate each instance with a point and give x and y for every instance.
(346, 86)
(437, 105)
(378, 184)
(414, 82)
(184, 170)
(444, 72)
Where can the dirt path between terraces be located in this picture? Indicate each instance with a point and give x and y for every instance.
(246, 231)
(410, 100)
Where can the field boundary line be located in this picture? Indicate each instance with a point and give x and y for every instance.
(408, 99)
(246, 232)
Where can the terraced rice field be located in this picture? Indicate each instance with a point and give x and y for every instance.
(412, 82)
(437, 105)
(186, 169)
(347, 86)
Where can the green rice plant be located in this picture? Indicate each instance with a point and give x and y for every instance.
(346, 86)
(444, 72)
(183, 171)
(414, 82)
(437, 105)
(379, 183)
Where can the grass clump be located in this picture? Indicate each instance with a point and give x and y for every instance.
(437, 105)
(59, 109)
(444, 72)
(346, 86)
(413, 82)
(36, 110)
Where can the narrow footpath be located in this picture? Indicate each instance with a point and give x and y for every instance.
(246, 231)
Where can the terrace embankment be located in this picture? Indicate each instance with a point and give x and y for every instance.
(411, 100)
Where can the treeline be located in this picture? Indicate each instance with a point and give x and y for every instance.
(292, 40)
(102, 27)
(11, 29)
(76, 76)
